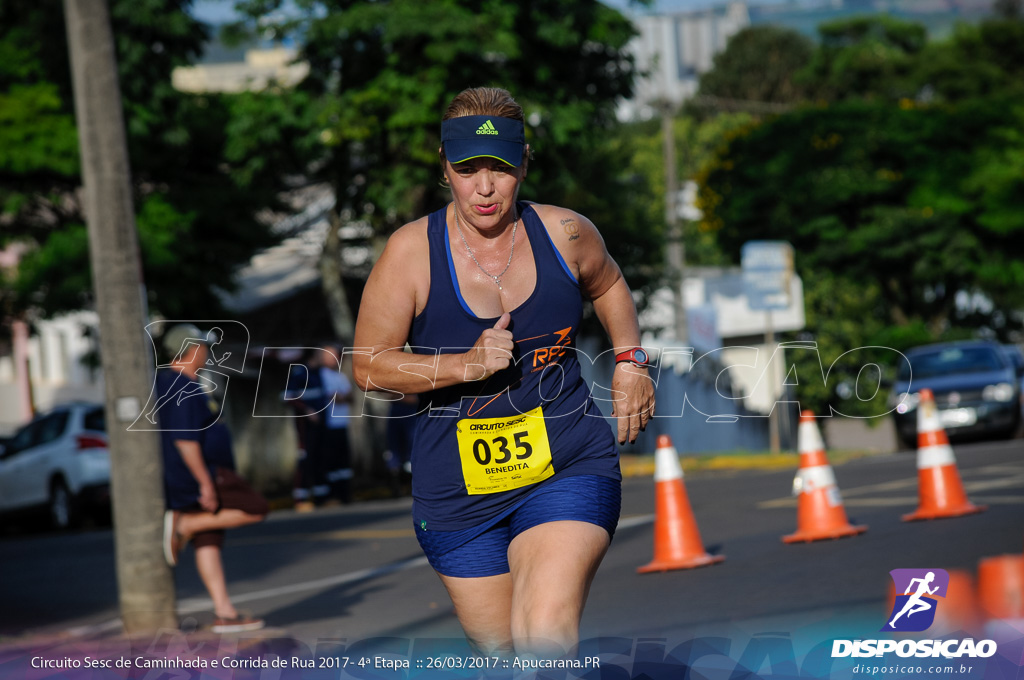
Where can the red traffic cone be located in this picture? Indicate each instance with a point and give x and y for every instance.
(940, 492)
(677, 543)
(820, 512)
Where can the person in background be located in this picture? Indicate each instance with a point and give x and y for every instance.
(303, 394)
(400, 428)
(204, 494)
(335, 454)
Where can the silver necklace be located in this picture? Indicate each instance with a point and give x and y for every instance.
(496, 279)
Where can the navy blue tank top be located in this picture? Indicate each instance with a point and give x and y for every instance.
(480, 446)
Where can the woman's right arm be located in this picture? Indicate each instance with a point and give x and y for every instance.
(395, 292)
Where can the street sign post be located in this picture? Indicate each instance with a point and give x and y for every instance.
(767, 270)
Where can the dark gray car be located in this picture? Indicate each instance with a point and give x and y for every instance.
(977, 390)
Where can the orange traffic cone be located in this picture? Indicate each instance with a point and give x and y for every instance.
(1001, 587)
(940, 492)
(820, 512)
(961, 610)
(677, 543)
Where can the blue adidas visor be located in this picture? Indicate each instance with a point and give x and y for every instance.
(483, 136)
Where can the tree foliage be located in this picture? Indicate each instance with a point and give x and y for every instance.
(199, 175)
(867, 57)
(696, 141)
(760, 64)
(383, 73)
(900, 183)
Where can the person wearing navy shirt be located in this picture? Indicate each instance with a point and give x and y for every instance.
(203, 493)
(336, 454)
(475, 308)
(305, 393)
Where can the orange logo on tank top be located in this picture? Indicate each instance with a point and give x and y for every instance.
(545, 356)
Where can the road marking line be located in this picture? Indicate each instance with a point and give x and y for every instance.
(635, 521)
(894, 501)
(339, 535)
(197, 604)
(1010, 477)
(99, 628)
(881, 486)
(1000, 500)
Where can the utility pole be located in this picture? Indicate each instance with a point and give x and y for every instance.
(675, 254)
(774, 443)
(145, 586)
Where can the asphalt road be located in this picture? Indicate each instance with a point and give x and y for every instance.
(356, 573)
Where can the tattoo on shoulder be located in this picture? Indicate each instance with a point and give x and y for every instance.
(571, 228)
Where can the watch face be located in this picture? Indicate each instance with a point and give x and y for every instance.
(640, 356)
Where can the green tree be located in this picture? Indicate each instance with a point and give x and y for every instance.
(915, 199)
(1007, 9)
(901, 189)
(870, 57)
(199, 171)
(384, 72)
(977, 60)
(697, 141)
(760, 64)
(915, 208)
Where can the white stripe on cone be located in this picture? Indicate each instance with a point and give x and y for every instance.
(666, 464)
(935, 456)
(809, 480)
(809, 437)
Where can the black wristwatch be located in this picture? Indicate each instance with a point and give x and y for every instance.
(637, 356)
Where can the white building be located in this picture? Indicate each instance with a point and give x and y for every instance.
(673, 50)
(258, 69)
(721, 323)
(58, 358)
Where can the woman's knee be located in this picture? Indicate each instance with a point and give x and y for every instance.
(546, 628)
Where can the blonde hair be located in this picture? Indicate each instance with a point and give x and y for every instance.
(484, 101)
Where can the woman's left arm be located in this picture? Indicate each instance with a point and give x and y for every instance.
(601, 280)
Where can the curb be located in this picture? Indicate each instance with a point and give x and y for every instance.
(640, 465)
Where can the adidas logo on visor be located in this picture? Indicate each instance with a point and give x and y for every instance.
(487, 129)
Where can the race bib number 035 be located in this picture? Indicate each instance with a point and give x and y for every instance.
(500, 454)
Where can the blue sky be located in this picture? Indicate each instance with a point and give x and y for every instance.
(220, 11)
(214, 11)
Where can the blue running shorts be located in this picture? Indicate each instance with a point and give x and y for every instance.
(483, 550)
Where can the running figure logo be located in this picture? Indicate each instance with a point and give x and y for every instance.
(914, 609)
(180, 339)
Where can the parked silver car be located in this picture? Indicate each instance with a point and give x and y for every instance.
(59, 462)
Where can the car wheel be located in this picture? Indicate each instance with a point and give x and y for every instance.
(908, 442)
(62, 506)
